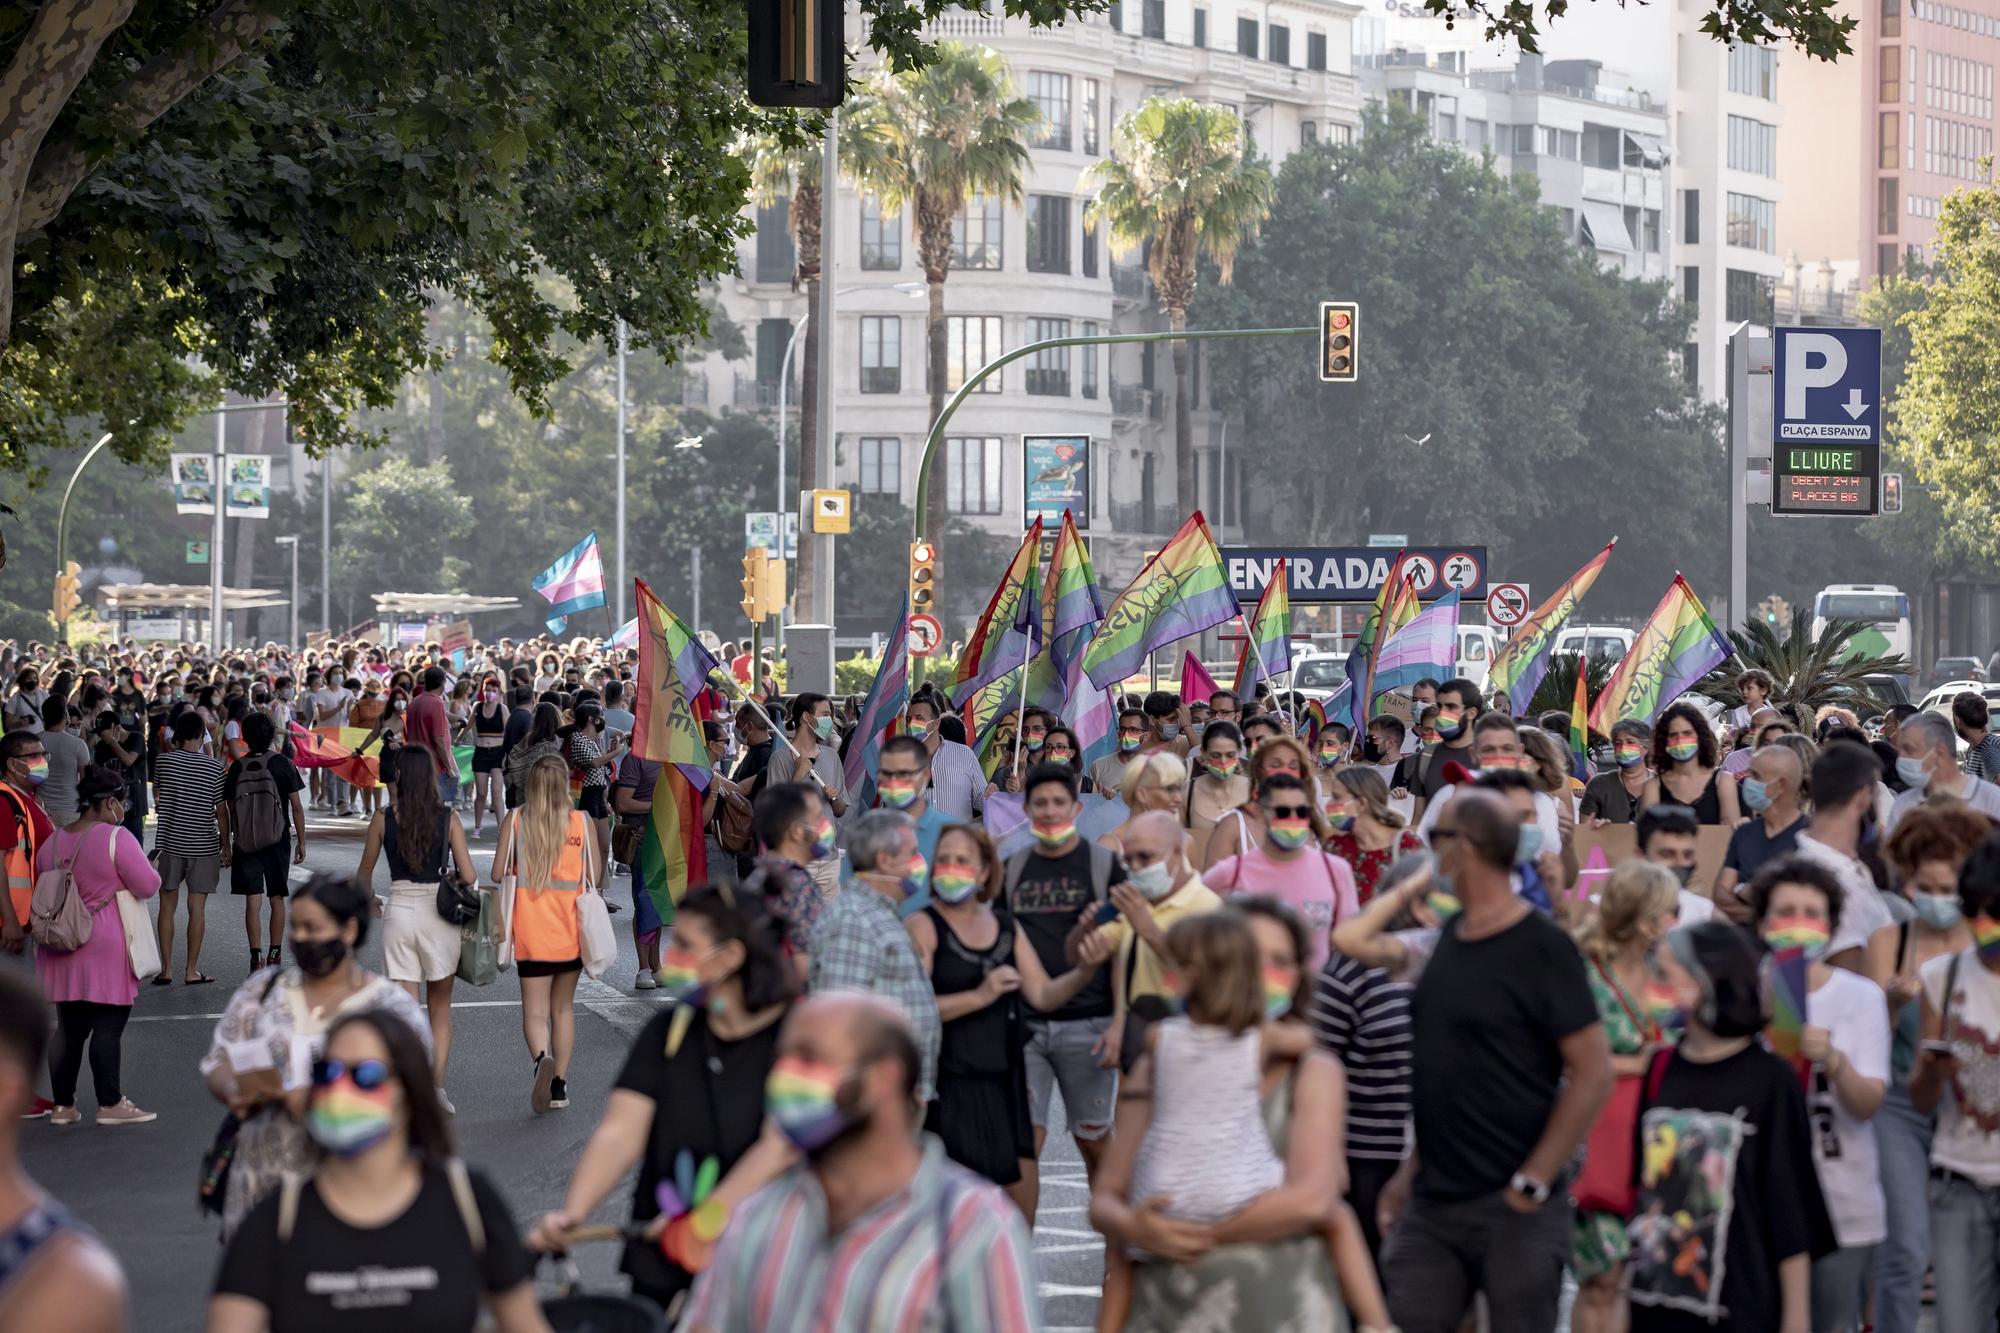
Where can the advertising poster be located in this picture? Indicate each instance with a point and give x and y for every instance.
(250, 486)
(194, 487)
(1055, 475)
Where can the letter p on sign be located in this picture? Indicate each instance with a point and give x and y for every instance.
(1801, 374)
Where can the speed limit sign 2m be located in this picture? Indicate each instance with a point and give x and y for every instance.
(1507, 603)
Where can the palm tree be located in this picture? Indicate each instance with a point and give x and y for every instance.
(927, 140)
(1558, 688)
(789, 170)
(1810, 672)
(1180, 176)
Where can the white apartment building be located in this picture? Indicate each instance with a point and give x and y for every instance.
(1033, 271)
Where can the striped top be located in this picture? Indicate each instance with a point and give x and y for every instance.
(187, 785)
(777, 1270)
(1363, 1017)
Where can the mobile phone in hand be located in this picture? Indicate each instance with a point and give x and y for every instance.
(1935, 1047)
(1106, 913)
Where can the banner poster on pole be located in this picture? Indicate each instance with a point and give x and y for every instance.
(194, 488)
(1055, 475)
(249, 486)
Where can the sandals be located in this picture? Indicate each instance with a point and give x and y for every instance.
(199, 979)
(272, 956)
(163, 980)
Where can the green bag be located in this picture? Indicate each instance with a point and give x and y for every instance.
(479, 943)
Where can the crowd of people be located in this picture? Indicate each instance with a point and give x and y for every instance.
(1348, 1031)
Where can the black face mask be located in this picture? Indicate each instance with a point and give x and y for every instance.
(1371, 751)
(319, 958)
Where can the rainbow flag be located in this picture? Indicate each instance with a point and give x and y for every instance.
(671, 700)
(1091, 714)
(1197, 686)
(1425, 648)
(1312, 722)
(1523, 660)
(1269, 632)
(1789, 989)
(1395, 606)
(1182, 590)
(1071, 611)
(323, 747)
(983, 710)
(1579, 725)
(575, 582)
(1007, 630)
(1676, 647)
(888, 695)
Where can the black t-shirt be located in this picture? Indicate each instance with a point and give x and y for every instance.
(1775, 1211)
(1052, 893)
(518, 723)
(708, 1101)
(1605, 798)
(134, 773)
(283, 772)
(1750, 846)
(130, 705)
(416, 1274)
(1489, 1018)
(1427, 773)
(753, 768)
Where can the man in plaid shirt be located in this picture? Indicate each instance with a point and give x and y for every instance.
(859, 943)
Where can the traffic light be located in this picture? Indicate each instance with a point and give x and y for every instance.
(1892, 492)
(798, 53)
(1775, 610)
(754, 562)
(774, 588)
(1339, 332)
(923, 577)
(66, 598)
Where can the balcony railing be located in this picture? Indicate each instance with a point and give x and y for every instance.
(1131, 282)
(752, 392)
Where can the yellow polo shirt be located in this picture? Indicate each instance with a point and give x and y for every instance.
(1149, 971)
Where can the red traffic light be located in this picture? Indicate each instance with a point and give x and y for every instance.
(921, 553)
(1341, 319)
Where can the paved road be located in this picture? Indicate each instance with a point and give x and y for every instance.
(136, 1185)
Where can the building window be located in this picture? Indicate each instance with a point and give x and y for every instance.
(1886, 192)
(1089, 248)
(1281, 44)
(1650, 236)
(1089, 113)
(1339, 133)
(972, 474)
(1885, 259)
(1153, 20)
(772, 336)
(975, 234)
(1087, 357)
(1892, 18)
(1308, 132)
(881, 465)
(1690, 217)
(881, 353)
(1524, 140)
(1475, 135)
(1751, 296)
(1690, 287)
(1753, 146)
(1048, 233)
(1753, 71)
(1566, 219)
(1315, 50)
(1048, 371)
(1146, 365)
(1246, 37)
(881, 238)
(1890, 63)
(1447, 127)
(1753, 223)
(1050, 94)
(1691, 367)
(776, 257)
(1890, 132)
(1201, 27)
(1117, 16)
(1559, 143)
(970, 342)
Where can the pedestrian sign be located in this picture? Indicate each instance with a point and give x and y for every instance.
(1826, 439)
(197, 553)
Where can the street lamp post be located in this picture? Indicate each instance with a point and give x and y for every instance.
(219, 484)
(62, 521)
(621, 471)
(293, 542)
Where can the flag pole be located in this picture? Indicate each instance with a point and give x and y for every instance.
(1283, 571)
(1021, 707)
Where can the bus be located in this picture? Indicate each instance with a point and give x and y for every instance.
(1882, 607)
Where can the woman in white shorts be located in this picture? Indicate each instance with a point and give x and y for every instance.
(419, 947)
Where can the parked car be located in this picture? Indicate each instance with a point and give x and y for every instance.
(1957, 668)
(1605, 643)
(1319, 675)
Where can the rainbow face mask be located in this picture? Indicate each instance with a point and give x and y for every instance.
(954, 881)
(1291, 833)
(1329, 755)
(38, 772)
(1060, 754)
(825, 838)
(1683, 750)
(1341, 820)
(1033, 743)
(1631, 756)
(1798, 932)
(1227, 769)
(916, 876)
(1128, 743)
(804, 1098)
(347, 1119)
(1279, 985)
(677, 974)
(1986, 935)
(1445, 905)
(897, 793)
(1449, 726)
(1054, 835)
(917, 730)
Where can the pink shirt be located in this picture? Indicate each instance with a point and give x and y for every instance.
(1316, 884)
(111, 859)
(426, 724)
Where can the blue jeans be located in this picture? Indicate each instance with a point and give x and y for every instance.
(1838, 1282)
(1903, 1142)
(448, 788)
(1965, 1241)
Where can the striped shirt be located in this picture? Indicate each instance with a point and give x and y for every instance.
(187, 785)
(1363, 1017)
(777, 1270)
(860, 945)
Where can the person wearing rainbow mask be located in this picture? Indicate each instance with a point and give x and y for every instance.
(903, 782)
(1281, 865)
(957, 783)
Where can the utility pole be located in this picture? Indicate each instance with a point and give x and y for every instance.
(621, 472)
(822, 446)
(218, 481)
(1749, 360)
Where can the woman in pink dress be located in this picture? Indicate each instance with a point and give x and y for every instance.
(93, 987)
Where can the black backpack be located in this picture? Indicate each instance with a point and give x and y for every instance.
(257, 812)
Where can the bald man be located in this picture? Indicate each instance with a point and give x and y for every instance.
(792, 1257)
(1163, 887)
(1503, 1009)
(1772, 792)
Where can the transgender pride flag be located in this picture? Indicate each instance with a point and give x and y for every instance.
(575, 582)
(1426, 647)
(627, 635)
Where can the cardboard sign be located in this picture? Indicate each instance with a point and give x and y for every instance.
(1601, 850)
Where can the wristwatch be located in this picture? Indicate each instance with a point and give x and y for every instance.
(1529, 1188)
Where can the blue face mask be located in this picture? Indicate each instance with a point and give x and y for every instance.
(1527, 844)
(1914, 774)
(1170, 731)
(1756, 797)
(1939, 911)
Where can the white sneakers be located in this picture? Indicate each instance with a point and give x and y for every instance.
(645, 981)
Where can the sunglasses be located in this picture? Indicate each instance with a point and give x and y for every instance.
(1291, 812)
(368, 1075)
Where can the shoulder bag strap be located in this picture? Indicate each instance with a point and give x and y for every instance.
(1656, 1074)
(946, 1197)
(288, 1206)
(1649, 1029)
(468, 1206)
(1950, 987)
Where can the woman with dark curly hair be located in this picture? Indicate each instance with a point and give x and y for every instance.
(1687, 768)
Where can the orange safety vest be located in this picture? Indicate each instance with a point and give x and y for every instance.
(21, 856)
(545, 920)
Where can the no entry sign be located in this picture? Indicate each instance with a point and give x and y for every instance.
(1507, 604)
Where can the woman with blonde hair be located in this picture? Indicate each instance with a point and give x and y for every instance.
(1637, 907)
(1367, 834)
(1155, 781)
(552, 851)
(1238, 830)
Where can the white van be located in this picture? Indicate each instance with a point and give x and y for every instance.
(1476, 646)
(1884, 608)
(1606, 643)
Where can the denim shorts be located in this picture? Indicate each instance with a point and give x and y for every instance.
(1059, 1052)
